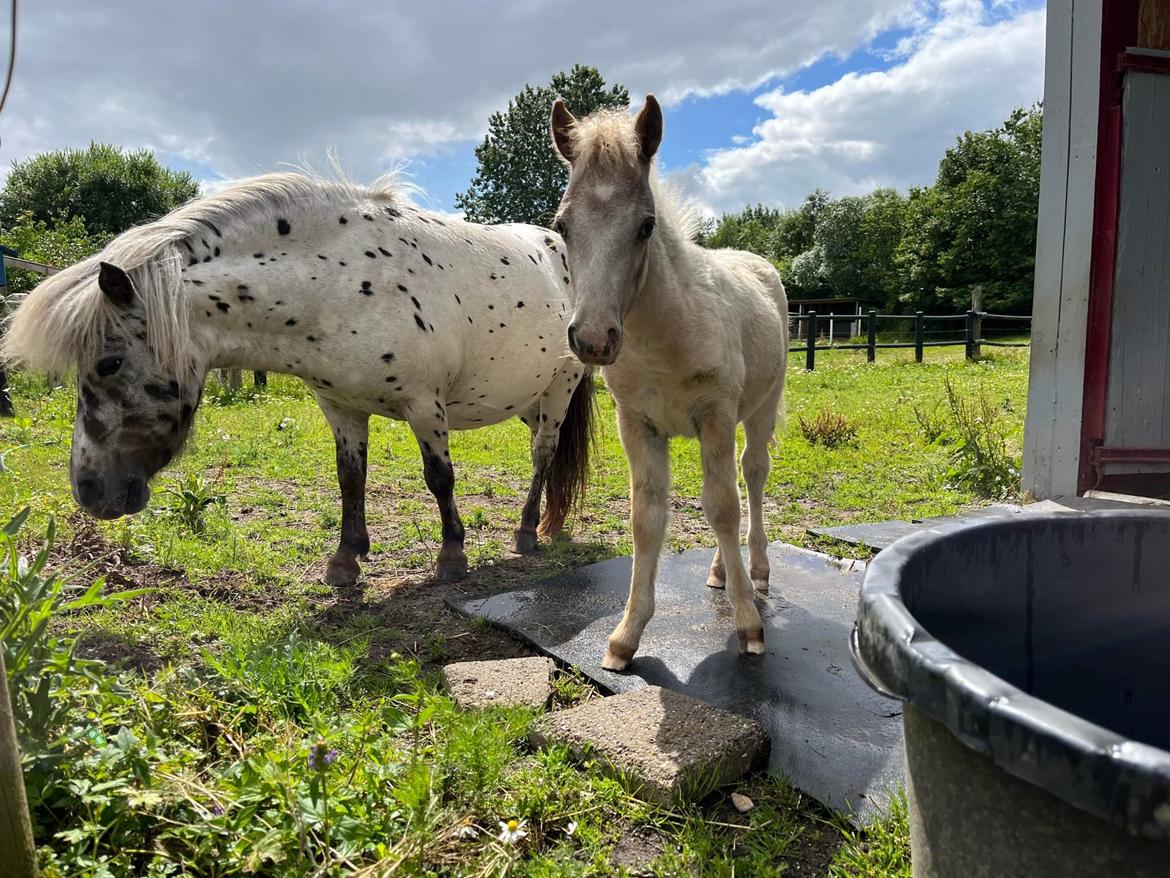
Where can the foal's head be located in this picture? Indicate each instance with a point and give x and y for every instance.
(606, 218)
(133, 414)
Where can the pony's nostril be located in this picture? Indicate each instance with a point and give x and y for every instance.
(88, 491)
(135, 494)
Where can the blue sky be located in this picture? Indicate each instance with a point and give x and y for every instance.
(765, 100)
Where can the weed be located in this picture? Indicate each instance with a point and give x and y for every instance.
(830, 429)
(191, 496)
(980, 461)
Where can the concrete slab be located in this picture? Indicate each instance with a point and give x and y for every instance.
(519, 682)
(832, 736)
(668, 747)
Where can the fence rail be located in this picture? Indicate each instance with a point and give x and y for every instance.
(973, 338)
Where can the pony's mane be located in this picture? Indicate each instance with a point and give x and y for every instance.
(607, 139)
(64, 320)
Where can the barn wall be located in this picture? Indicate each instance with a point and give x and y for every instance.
(1138, 400)
(1063, 247)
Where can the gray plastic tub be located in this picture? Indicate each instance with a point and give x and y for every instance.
(1033, 657)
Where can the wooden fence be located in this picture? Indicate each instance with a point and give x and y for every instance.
(970, 334)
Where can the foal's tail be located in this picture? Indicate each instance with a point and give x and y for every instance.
(569, 470)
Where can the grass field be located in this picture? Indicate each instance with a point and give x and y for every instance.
(189, 752)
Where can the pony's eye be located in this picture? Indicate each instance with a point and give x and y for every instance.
(647, 228)
(108, 366)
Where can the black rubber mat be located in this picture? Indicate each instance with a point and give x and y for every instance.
(832, 736)
(880, 535)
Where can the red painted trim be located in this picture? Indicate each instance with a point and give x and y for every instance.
(1118, 32)
(1144, 63)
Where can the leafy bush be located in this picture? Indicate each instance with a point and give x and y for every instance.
(829, 429)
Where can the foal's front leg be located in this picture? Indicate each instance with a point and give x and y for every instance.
(649, 459)
(350, 435)
(721, 506)
(430, 429)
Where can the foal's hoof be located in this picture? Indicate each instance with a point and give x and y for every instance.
(752, 642)
(617, 658)
(714, 581)
(342, 571)
(525, 541)
(760, 585)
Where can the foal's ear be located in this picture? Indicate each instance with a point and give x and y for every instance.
(561, 123)
(648, 127)
(116, 284)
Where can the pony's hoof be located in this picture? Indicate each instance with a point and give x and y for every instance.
(525, 542)
(451, 571)
(760, 585)
(714, 581)
(342, 571)
(752, 642)
(617, 658)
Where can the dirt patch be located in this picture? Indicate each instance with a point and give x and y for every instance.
(636, 850)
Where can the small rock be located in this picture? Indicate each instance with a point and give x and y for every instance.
(520, 682)
(741, 803)
(668, 747)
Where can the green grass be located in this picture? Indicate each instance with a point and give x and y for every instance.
(241, 661)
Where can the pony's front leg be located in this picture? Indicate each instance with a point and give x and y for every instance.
(646, 450)
(544, 446)
(430, 430)
(350, 435)
(721, 506)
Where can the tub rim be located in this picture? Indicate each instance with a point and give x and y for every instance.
(1117, 779)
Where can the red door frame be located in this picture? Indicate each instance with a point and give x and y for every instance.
(1119, 27)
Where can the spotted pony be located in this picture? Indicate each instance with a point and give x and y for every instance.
(379, 306)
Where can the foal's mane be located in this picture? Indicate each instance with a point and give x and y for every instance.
(607, 140)
(64, 320)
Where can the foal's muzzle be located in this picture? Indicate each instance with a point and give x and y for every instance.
(595, 349)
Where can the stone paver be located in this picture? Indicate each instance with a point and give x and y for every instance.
(520, 682)
(668, 746)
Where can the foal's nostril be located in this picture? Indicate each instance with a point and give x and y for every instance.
(573, 338)
(612, 339)
(88, 491)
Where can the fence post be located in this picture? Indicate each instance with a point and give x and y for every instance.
(260, 379)
(970, 335)
(810, 334)
(871, 353)
(977, 324)
(17, 854)
(919, 336)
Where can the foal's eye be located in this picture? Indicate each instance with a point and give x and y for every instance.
(647, 228)
(108, 366)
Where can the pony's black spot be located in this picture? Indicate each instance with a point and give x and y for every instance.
(282, 227)
(427, 259)
(491, 307)
(504, 259)
(192, 261)
(326, 382)
(243, 288)
(386, 358)
(533, 258)
(342, 220)
(502, 325)
(492, 275)
(564, 262)
(206, 258)
(215, 251)
(402, 288)
(342, 263)
(544, 350)
(416, 304)
(292, 321)
(519, 304)
(365, 285)
(384, 251)
(244, 297)
(223, 306)
(211, 296)
(371, 254)
(566, 278)
(214, 228)
(419, 321)
(319, 256)
(310, 338)
(257, 255)
(458, 301)
(197, 283)
(368, 217)
(366, 291)
(94, 426)
(404, 241)
(161, 391)
(390, 379)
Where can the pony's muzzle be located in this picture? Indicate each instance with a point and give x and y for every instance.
(111, 499)
(595, 348)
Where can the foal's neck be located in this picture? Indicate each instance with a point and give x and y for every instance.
(661, 291)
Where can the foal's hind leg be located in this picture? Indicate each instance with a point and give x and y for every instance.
(544, 446)
(758, 429)
(350, 435)
(721, 505)
(430, 429)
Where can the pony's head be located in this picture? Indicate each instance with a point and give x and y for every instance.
(607, 218)
(137, 387)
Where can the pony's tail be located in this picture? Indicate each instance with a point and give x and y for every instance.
(569, 470)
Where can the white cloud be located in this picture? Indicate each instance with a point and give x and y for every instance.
(961, 70)
(235, 88)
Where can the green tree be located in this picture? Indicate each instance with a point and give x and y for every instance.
(976, 226)
(60, 243)
(108, 188)
(519, 177)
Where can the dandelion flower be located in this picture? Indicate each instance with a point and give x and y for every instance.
(512, 831)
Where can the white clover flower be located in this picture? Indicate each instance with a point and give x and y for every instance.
(512, 831)
(466, 832)
(571, 829)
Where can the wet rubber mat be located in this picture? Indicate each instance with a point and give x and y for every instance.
(880, 535)
(832, 737)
